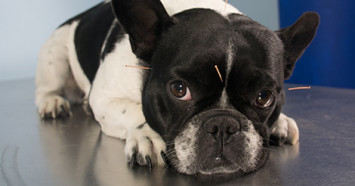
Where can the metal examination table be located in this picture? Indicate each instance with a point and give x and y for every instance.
(72, 151)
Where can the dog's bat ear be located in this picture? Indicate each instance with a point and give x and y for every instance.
(296, 38)
(144, 21)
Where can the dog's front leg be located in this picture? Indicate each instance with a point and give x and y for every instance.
(124, 119)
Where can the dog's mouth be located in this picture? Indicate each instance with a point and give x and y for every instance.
(221, 145)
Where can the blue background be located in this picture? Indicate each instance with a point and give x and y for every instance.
(329, 60)
(26, 25)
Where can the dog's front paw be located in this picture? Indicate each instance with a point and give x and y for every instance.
(284, 130)
(53, 107)
(144, 147)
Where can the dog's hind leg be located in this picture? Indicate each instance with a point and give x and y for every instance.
(53, 72)
(284, 130)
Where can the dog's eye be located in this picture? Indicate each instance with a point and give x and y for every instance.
(265, 99)
(180, 90)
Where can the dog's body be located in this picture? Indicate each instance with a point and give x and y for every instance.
(211, 124)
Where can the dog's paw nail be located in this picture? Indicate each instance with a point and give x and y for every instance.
(149, 162)
(148, 146)
(65, 111)
(165, 159)
(140, 159)
(282, 140)
(277, 140)
(54, 107)
(133, 160)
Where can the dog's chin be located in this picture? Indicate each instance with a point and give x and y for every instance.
(214, 171)
(230, 170)
(221, 171)
(225, 170)
(217, 166)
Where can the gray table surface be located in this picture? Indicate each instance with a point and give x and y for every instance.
(72, 151)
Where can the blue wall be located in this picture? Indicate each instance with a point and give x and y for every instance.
(265, 12)
(330, 58)
(24, 27)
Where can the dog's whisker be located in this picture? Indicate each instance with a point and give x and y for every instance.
(171, 152)
(169, 144)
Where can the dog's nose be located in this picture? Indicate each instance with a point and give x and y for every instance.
(222, 127)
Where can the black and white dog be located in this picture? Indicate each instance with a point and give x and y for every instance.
(211, 99)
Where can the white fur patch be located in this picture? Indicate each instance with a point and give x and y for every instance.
(115, 97)
(254, 145)
(78, 73)
(286, 127)
(230, 59)
(114, 80)
(185, 147)
(224, 100)
(218, 170)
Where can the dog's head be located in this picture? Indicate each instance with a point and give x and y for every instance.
(216, 83)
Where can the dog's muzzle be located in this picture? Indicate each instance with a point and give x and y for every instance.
(217, 142)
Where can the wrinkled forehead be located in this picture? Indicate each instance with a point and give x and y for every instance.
(201, 39)
(253, 40)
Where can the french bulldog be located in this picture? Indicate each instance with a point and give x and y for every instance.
(207, 93)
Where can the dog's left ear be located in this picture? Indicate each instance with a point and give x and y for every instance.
(296, 38)
(144, 21)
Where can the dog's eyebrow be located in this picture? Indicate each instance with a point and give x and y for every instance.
(219, 73)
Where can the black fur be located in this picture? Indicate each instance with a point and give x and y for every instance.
(90, 36)
(95, 26)
(144, 21)
(114, 37)
(80, 16)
